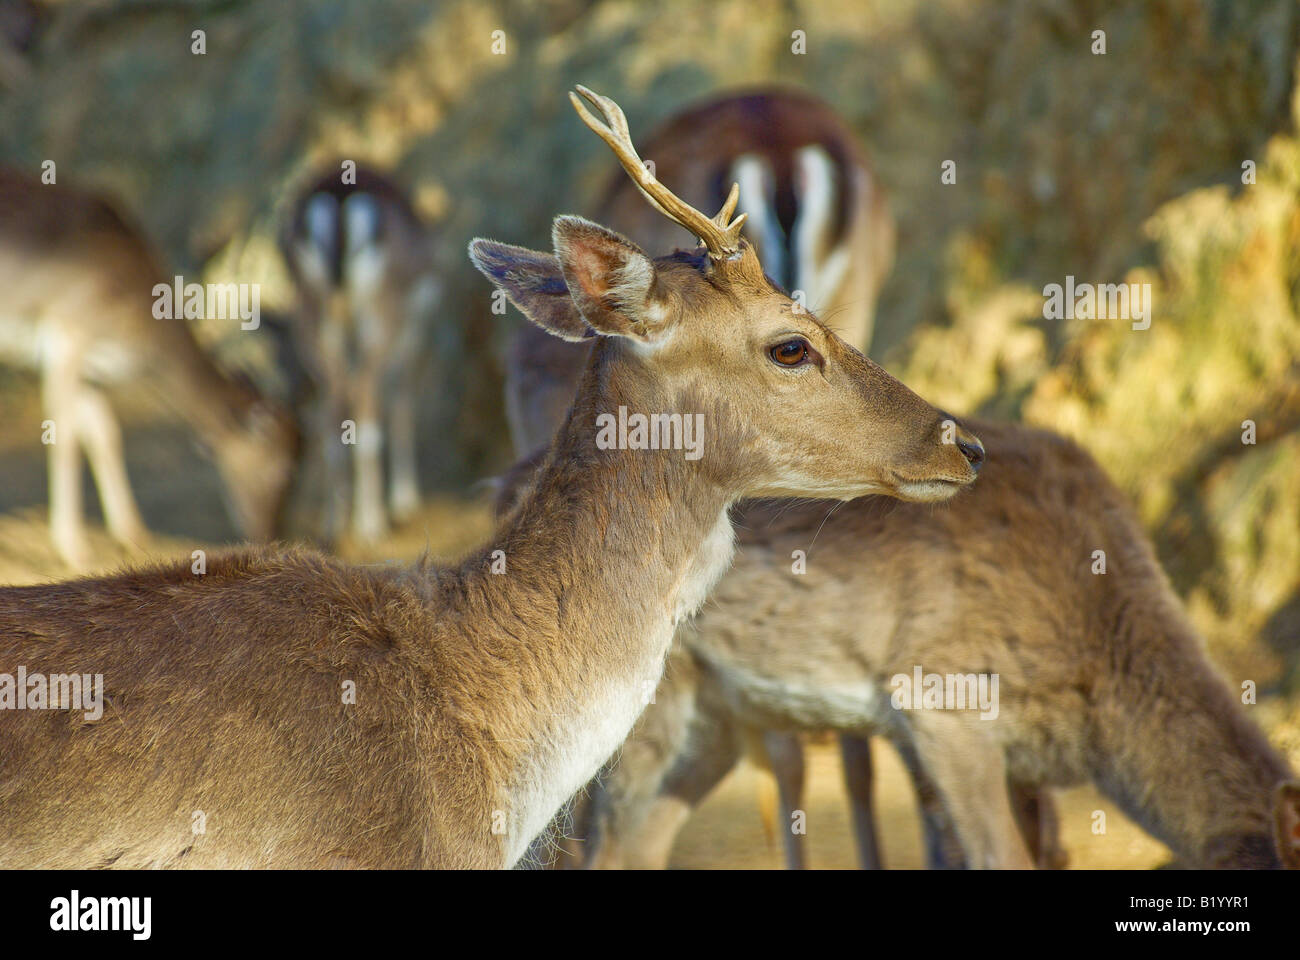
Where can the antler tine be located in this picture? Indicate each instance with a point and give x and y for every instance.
(731, 228)
(720, 234)
(616, 135)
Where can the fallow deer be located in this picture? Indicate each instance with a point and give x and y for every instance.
(820, 224)
(1101, 678)
(361, 259)
(79, 307)
(310, 713)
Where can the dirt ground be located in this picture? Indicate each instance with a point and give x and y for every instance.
(179, 495)
(727, 830)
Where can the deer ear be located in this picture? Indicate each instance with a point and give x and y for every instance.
(1286, 815)
(534, 283)
(610, 279)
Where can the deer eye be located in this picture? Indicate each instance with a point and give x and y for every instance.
(791, 353)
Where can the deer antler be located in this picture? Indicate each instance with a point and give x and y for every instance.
(720, 235)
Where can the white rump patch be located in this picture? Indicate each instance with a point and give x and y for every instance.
(819, 267)
(758, 200)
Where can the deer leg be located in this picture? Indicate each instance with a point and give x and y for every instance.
(785, 755)
(334, 453)
(403, 477)
(855, 753)
(101, 436)
(369, 517)
(1051, 854)
(969, 768)
(345, 397)
(1039, 825)
(61, 385)
(943, 850)
(708, 759)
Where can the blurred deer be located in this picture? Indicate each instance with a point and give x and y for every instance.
(818, 219)
(361, 259)
(79, 306)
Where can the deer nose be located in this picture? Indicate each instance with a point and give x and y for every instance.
(969, 446)
(973, 451)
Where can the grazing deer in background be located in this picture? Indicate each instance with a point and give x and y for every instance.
(362, 262)
(821, 226)
(318, 714)
(79, 307)
(1101, 678)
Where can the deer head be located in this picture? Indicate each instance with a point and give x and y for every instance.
(790, 408)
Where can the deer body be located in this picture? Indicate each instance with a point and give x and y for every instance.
(79, 308)
(361, 259)
(1101, 679)
(483, 699)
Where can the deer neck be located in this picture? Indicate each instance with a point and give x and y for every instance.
(612, 549)
(1179, 751)
(212, 403)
